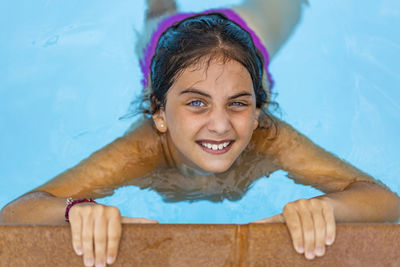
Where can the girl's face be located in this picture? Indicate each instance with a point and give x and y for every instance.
(209, 116)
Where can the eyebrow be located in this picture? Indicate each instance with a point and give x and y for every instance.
(196, 91)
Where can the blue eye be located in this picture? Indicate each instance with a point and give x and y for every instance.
(239, 104)
(196, 103)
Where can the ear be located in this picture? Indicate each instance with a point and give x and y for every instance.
(255, 124)
(160, 121)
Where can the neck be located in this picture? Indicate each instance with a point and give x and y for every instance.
(175, 159)
(186, 170)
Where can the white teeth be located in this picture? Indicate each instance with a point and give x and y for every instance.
(214, 146)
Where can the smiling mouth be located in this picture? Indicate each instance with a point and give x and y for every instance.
(214, 147)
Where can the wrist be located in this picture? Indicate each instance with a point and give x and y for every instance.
(71, 202)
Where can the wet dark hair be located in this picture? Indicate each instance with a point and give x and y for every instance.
(201, 39)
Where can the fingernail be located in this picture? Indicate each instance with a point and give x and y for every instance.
(89, 262)
(329, 241)
(79, 251)
(300, 249)
(110, 260)
(309, 255)
(100, 264)
(319, 251)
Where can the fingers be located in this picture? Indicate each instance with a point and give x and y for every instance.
(274, 219)
(100, 235)
(330, 224)
(87, 241)
(311, 224)
(96, 232)
(76, 229)
(294, 224)
(114, 235)
(320, 231)
(137, 220)
(308, 230)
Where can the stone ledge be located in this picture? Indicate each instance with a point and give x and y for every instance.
(204, 245)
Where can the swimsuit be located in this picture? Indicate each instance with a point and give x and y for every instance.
(165, 23)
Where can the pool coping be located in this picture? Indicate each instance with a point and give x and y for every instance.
(204, 245)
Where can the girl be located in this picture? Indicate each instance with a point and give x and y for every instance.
(207, 90)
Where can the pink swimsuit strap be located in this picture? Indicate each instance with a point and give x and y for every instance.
(169, 21)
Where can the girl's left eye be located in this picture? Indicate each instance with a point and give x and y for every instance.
(196, 103)
(239, 104)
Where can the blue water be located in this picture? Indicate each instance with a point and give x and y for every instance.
(68, 72)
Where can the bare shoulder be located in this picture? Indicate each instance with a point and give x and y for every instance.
(130, 156)
(269, 135)
(276, 137)
(141, 139)
(306, 162)
(142, 129)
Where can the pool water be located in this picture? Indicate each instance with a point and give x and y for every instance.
(68, 71)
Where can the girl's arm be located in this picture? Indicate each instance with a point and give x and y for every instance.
(133, 155)
(306, 163)
(96, 229)
(351, 195)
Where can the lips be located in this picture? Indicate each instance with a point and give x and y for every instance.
(215, 147)
(214, 142)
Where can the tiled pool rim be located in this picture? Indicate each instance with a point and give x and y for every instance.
(204, 245)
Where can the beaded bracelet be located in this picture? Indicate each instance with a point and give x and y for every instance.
(70, 202)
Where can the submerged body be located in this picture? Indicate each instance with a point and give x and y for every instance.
(210, 140)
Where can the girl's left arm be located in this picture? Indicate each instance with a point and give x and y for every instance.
(351, 195)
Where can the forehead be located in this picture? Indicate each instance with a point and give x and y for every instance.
(215, 73)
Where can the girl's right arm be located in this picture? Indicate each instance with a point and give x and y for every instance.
(128, 157)
(133, 155)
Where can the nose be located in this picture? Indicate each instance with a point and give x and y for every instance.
(219, 121)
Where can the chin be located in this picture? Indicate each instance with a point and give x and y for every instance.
(217, 168)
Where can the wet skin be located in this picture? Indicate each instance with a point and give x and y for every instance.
(220, 109)
(164, 158)
(209, 106)
(214, 105)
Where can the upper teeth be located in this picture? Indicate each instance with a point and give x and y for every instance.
(214, 146)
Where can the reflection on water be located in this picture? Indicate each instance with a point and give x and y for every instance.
(173, 185)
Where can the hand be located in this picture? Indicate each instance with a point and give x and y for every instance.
(98, 227)
(311, 224)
